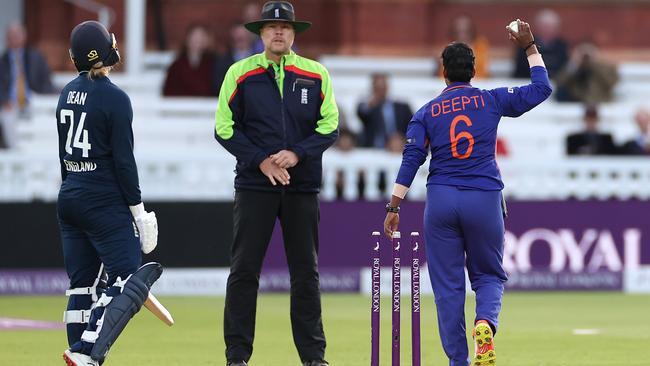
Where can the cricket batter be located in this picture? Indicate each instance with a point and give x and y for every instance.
(101, 216)
(463, 218)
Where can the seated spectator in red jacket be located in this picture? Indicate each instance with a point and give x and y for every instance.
(192, 73)
(640, 145)
(590, 141)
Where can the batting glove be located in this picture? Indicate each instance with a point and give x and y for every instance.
(147, 227)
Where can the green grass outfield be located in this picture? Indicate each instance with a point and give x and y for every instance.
(536, 330)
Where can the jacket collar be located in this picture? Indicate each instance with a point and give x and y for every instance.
(457, 85)
(261, 60)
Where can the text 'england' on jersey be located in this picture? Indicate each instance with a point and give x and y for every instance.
(96, 139)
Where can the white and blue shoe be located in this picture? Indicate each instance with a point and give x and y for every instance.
(78, 359)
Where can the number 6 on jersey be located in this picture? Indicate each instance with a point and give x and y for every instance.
(453, 137)
(84, 145)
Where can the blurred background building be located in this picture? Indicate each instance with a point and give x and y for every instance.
(576, 169)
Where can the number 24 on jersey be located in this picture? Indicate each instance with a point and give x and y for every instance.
(78, 142)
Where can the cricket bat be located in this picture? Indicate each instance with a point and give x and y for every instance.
(152, 304)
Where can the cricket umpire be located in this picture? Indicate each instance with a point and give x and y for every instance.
(463, 216)
(276, 115)
(102, 219)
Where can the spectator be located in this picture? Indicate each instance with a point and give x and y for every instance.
(345, 143)
(395, 143)
(192, 73)
(590, 141)
(587, 78)
(240, 46)
(463, 30)
(640, 145)
(380, 116)
(343, 123)
(553, 47)
(250, 13)
(23, 71)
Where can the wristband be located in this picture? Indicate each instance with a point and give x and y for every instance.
(137, 210)
(400, 190)
(532, 43)
(392, 209)
(536, 60)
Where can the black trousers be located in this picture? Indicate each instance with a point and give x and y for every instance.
(254, 217)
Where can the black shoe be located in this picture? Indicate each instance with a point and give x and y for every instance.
(316, 363)
(236, 363)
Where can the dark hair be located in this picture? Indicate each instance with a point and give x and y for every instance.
(458, 61)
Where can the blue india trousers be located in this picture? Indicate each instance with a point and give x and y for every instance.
(464, 229)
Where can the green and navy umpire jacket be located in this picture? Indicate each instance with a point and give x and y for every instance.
(264, 108)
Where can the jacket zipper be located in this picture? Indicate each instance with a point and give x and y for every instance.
(284, 123)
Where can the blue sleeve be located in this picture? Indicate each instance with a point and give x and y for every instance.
(515, 101)
(238, 145)
(227, 128)
(314, 145)
(64, 172)
(415, 150)
(121, 116)
(60, 134)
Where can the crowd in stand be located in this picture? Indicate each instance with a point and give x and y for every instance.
(579, 72)
(200, 67)
(592, 141)
(198, 70)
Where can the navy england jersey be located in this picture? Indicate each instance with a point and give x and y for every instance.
(459, 127)
(96, 141)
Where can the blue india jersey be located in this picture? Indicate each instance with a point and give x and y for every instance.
(459, 128)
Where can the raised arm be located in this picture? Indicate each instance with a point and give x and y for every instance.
(515, 101)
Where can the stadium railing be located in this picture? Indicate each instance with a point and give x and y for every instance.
(208, 176)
